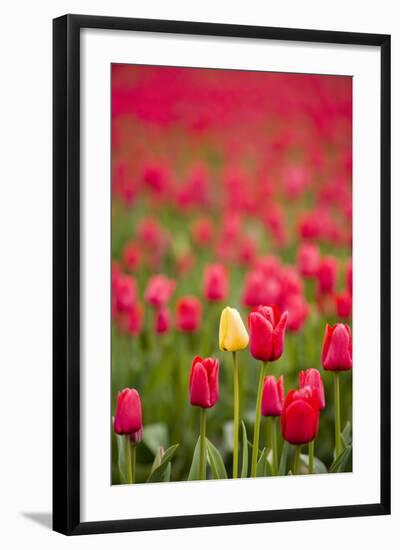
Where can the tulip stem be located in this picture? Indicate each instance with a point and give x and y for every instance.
(235, 468)
(257, 421)
(338, 442)
(296, 461)
(311, 457)
(202, 461)
(128, 459)
(274, 441)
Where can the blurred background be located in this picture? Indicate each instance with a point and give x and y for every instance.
(246, 172)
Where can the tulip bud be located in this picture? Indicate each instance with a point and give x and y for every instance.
(125, 293)
(344, 305)
(273, 396)
(267, 333)
(215, 283)
(159, 290)
(312, 379)
(300, 417)
(203, 384)
(298, 310)
(337, 348)
(308, 259)
(189, 312)
(232, 332)
(131, 321)
(131, 255)
(327, 274)
(128, 414)
(162, 321)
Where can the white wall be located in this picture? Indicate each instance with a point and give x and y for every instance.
(25, 287)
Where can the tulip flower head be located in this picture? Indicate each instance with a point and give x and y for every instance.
(311, 378)
(162, 320)
(215, 283)
(267, 333)
(308, 259)
(189, 311)
(337, 348)
(159, 290)
(273, 396)
(300, 416)
(327, 275)
(125, 293)
(131, 322)
(128, 414)
(344, 305)
(203, 384)
(131, 255)
(298, 310)
(232, 332)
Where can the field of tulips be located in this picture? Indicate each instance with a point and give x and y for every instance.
(231, 274)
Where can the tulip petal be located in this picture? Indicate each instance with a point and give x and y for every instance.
(199, 387)
(338, 354)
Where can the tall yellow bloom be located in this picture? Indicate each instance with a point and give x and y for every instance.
(232, 332)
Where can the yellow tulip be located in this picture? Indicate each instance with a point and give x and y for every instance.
(232, 332)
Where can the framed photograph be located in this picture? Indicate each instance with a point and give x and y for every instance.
(221, 274)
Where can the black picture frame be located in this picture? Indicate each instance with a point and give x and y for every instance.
(66, 273)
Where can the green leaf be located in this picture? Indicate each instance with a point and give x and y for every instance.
(319, 466)
(159, 472)
(215, 460)
(122, 465)
(157, 458)
(245, 452)
(263, 468)
(346, 435)
(155, 436)
(167, 473)
(284, 458)
(194, 468)
(340, 463)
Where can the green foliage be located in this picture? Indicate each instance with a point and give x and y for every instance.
(194, 468)
(215, 461)
(122, 465)
(245, 452)
(162, 472)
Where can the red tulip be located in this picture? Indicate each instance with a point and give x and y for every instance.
(344, 305)
(128, 415)
(337, 348)
(260, 289)
(203, 384)
(159, 290)
(300, 416)
(327, 273)
(131, 255)
(247, 251)
(203, 231)
(189, 312)
(273, 396)
(308, 259)
(133, 320)
(267, 333)
(125, 293)
(215, 283)
(162, 320)
(155, 175)
(298, 310)
(312, 379)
